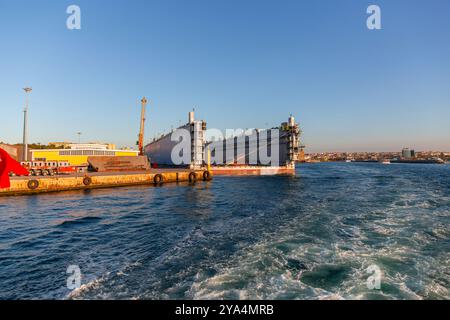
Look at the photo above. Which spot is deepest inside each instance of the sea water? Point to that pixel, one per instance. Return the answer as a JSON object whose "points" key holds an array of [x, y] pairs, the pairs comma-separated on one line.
{"points": [[312, 236]]}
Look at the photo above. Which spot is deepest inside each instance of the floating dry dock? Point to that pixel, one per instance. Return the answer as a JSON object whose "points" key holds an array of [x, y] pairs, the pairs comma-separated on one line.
{"points": [[94, 180]]}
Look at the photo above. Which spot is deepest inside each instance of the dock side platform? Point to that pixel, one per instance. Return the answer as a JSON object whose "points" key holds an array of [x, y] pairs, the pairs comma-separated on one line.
{"points": [[93, 180]]}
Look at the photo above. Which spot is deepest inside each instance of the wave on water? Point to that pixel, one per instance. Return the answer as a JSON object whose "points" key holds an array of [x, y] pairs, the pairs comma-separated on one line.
{"points": [[309, 237], [79, 221]]}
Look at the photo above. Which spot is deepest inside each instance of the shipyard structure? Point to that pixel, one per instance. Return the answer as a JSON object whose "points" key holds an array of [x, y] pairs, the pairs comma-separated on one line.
{"points": [[233, 152], [162, 152]]}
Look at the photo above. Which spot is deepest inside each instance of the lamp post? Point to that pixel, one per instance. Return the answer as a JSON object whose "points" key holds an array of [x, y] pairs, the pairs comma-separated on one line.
{"points": [[25, 125], [79, 137]]}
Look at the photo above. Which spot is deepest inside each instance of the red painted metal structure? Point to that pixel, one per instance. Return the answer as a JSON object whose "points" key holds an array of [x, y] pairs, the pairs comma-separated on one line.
{"points": [[7, 165]]}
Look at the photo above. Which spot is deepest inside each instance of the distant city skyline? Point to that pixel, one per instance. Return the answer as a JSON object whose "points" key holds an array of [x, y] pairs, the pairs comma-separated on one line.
{"points": [[240, 64]]}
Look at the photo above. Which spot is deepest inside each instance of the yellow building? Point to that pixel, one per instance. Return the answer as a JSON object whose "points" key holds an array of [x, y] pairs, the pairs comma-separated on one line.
{"points": [[76, 157], [90, 145]]}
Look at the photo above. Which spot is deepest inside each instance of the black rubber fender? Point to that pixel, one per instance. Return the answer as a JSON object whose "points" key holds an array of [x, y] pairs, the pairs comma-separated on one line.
{"points": [[206, 175], [87, 181], [192, 177], [33, 184], [158, 179]]}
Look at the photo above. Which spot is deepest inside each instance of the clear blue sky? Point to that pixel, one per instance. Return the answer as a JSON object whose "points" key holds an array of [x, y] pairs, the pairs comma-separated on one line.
{"points": [[242, 64]]}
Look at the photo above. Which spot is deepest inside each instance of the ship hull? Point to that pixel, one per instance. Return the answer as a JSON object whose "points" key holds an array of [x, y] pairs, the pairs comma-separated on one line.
{"points": [[252, 170]]}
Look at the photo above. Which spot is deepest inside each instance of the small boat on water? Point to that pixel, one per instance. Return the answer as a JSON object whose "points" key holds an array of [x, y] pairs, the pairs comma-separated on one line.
{"points": [[385, 161]]}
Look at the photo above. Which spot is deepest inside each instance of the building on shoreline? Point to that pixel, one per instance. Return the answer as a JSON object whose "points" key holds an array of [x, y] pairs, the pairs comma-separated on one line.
{"points": [[375, 156], [408, 153], [77, 154]]}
